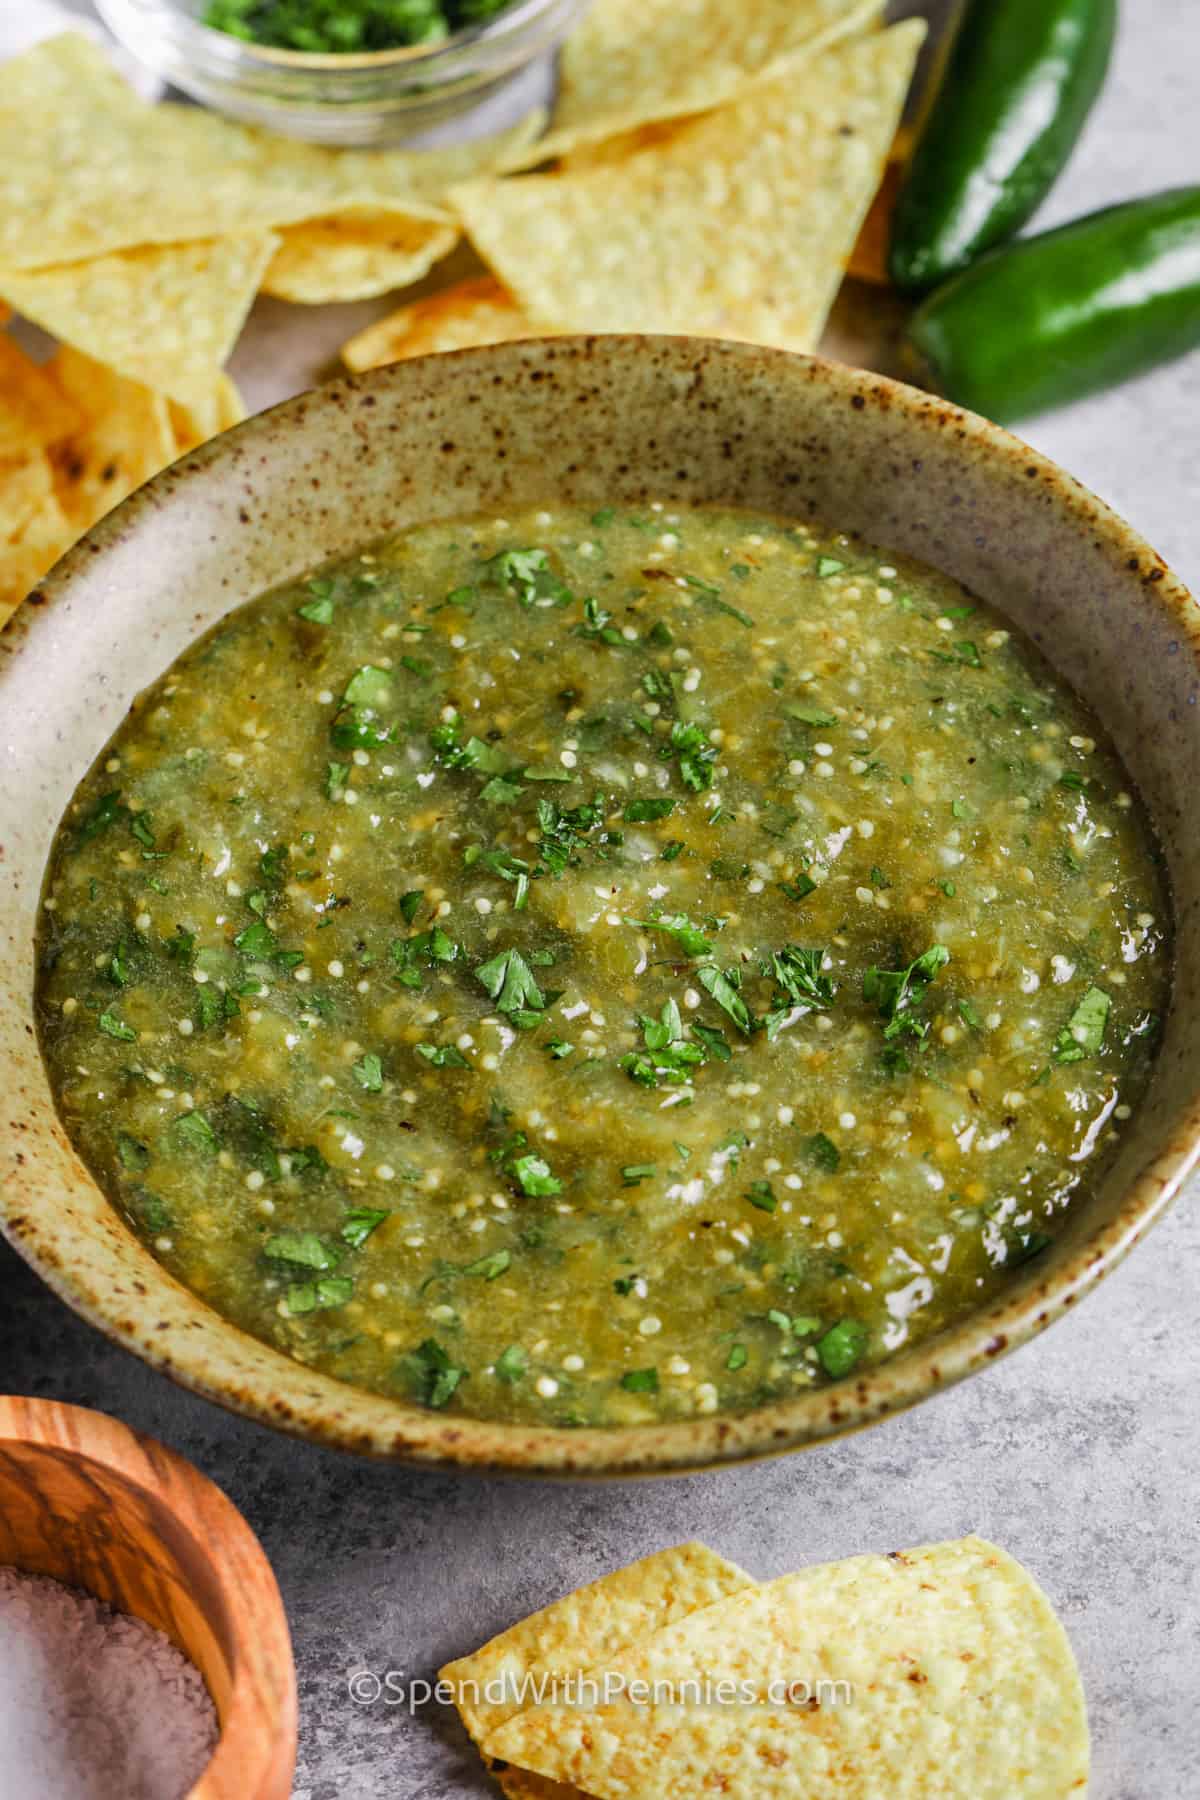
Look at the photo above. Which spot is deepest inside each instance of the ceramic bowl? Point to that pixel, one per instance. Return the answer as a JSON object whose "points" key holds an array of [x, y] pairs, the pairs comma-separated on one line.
{"points": [[586, 421], [88, 1502]]}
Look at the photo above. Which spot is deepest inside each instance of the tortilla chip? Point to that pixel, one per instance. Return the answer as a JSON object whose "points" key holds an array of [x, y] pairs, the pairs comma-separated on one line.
{"points": [[960, 1678], [195, 424], [456, 318], [360, 253], [32, 409], [127, 438], [166, 316], [53, 75], [628, 62], [26, 482], [739, 226], [34, 531], [586, 1628], [87, 168], [523, 1784], [869, 257]]}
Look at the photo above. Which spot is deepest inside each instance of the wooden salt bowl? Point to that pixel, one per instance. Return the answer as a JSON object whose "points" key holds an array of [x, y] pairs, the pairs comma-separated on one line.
{"points": [[88, 1502]]}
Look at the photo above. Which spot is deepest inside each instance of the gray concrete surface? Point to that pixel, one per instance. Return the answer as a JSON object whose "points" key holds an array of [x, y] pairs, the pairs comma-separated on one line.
{"points": [[1081, 1454]]}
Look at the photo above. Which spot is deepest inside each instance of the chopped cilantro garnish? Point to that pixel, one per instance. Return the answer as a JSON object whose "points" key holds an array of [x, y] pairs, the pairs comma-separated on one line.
{"points": [[969, 1016], [897, 992], [132, 1155], [302, 1249], [798, 973], [510, 982], [410, 904], [431, 1373], [696, 755], [511, 1364], [318, 610], [823, 1153], [879, 879], [113, 1027], [800, 888], [633, 1173], [713, 1043], [810, 715], [368, 1072], [182, 947], [358, 1225], [721, 985], [828, 565], [688, 937], [737, 1357], [256, 939], [841, 1347], [319, 1296], [529, 574], [118, 968], [641, 811], [194, 1130], [501, 791], [336, 776], [598, 625], [668, 1056], [640, 1381], [213, 1006], [531, 1172], [107, 811], [563, 830], [443, 1056], [762, 1195], [489, 1268], [1083, 1034]]}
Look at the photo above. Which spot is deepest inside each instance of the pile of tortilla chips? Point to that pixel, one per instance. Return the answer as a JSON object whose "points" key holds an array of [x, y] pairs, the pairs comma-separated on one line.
{"points": [[939, 1673], [712, 167], [714, 170], [137, 236]]}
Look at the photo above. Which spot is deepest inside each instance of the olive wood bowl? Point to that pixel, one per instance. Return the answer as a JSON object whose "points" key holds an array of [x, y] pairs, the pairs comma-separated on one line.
{"points": [[93, 1504]]}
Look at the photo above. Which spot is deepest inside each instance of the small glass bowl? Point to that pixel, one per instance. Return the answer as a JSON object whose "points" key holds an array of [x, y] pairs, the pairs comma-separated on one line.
{"points": [[383, 97]]}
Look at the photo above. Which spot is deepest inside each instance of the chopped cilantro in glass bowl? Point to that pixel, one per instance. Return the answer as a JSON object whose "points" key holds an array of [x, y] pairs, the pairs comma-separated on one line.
{"points": [[347, 72]]}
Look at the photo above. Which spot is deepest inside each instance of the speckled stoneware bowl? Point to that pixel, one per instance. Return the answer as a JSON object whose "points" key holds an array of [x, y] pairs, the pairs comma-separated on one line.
{"points": [[585, 421]]}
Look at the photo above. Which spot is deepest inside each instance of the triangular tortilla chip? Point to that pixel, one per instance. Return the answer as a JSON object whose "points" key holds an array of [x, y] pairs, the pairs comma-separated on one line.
{"points": [[455, 318], [220, 408], [166, 316], [957, 1683], [584, 1628], [360, 253], [32, 409], [628, 62], [34, 531], [738, 226], [87, 168], [576, 1633], [127, 438]]}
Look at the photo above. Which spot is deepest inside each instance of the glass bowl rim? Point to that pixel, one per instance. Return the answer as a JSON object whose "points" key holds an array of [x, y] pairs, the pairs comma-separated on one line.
{"points": [[507, 22]]}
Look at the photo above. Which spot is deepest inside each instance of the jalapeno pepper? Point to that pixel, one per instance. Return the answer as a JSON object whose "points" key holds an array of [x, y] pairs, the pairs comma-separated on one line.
{"points": [[1052, 318], [1019, 83]]}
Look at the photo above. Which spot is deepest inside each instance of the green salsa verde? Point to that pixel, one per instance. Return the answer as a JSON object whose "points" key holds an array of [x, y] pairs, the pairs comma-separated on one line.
{"points": [[592, 968]]}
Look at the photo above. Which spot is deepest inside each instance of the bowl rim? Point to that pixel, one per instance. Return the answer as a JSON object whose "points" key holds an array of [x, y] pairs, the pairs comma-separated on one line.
{"points": [[261, 1721], [315, 1407]]}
